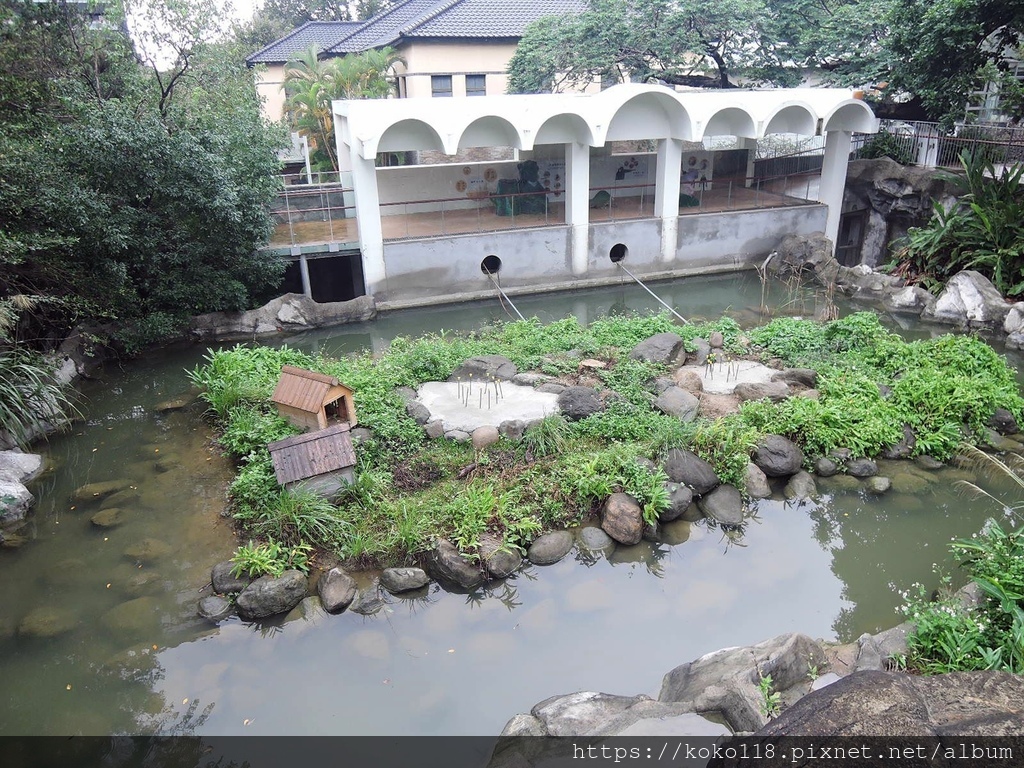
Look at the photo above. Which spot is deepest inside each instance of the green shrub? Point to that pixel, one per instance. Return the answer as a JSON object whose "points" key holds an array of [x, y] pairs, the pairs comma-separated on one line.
{"points": [[251, 427], [548, 436], [269, 559]]}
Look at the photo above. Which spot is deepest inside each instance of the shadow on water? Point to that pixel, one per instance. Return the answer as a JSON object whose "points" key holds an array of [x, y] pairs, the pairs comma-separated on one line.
{"points": [[98, 632]]}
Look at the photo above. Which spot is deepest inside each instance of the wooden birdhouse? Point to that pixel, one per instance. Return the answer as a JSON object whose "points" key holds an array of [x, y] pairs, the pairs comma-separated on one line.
{"points": [[322, 461], [313, 400]]}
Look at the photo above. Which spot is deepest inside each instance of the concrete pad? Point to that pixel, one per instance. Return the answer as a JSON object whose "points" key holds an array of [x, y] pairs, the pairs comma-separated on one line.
{"points": [[722, 378], [464, 410]]}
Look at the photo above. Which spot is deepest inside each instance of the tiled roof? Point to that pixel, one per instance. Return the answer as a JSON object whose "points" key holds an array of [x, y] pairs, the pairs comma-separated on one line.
{"points": [[312, 454], [322, 34], [302, 389], [453, 18]]}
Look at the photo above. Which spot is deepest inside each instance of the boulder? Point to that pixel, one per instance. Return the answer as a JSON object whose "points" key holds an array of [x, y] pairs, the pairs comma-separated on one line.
{"points": [[137, 617], [911, 300], [225, 582], [337, 590], [775, 391], [622, 518], [108, 518], [550, 548], [861, 468], [367, 601], [686, 467], [756, 482], [662, 348], [531, 379], [801, 486], [288, 313], [969, 300], [1014, 321], [582, 712], [458, 436], [878, 484], [451, 567], [778, 457], [689, 379], [20, 467], [215, 608], [679, 499], [418, 412], [15, 501], [801, 377], [1003, 422], [434, 429], [398, 580], [498, 560], [701, 350], [148, 550], [675, 401], [267, 596], [98, 491], [724, 504], [716, 339], [804, 253], [46, 621], [594, 539], [904, 447], [825, 467], [485, 367], [513, 429], [484, 436], [579, 402]]}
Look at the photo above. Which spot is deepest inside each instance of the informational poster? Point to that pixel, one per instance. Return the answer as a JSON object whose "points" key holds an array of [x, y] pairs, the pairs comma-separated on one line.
{"points": [[696, 173], [552, 176]]}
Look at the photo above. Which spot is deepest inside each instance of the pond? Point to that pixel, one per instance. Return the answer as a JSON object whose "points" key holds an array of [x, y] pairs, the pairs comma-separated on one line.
{"points": [[109, 641]]}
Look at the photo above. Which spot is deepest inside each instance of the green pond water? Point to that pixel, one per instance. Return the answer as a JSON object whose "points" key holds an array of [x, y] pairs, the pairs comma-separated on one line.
{"points": [[98, 633]]}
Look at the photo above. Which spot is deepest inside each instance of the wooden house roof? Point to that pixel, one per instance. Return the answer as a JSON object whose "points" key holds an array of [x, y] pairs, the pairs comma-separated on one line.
{"points": [[312, 454], [302, 389]]}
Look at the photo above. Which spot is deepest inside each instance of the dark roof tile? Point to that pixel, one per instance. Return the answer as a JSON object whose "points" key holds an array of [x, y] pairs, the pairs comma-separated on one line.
{"points": [[322, 34]]}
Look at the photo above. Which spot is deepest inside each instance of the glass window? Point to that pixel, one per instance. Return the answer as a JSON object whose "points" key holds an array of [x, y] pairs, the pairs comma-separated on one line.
{"points": [[476, 85], [440, 85]]}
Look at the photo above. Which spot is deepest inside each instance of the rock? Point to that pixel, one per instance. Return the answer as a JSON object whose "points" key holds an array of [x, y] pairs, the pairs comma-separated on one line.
{"points": [[552, 387], [911, 300], [662, 348], [290, 312], [582, 712], [137, 617], [775, 391], [679, 499], [337, 590], [20, 467], [579, 402], [450, 566], [485, 367], [398, 580], [726, 681], [716, 340], [825, 467], [909, 483], [309, 609], [129, 497], [225, 582], [969, 300], [689, 379], [891, 705], [904, 447], [594, 539], [928, 462], [796, 254], [700, 354], [861, 468], [622, 518], [267, 596], [499, 560], [15, 501], [434, 429], [675, 401], [418, 412], [840, 455], [550, 548], [367, 601], [360, 435], [878, 484], [778, 457], [1003, 422], [530, 379], [45, 622], [458, 436], [686, 467], [176, 404], [484, 436], [662, 383], [724, 504], [877, 651], [756, 482], [108, 518], [996, 442], [524, 725], [801, 486], [1014, 321], [215, 608], [843, 483], [801, 377], [147, 551], [513, 429], [97, 491]]}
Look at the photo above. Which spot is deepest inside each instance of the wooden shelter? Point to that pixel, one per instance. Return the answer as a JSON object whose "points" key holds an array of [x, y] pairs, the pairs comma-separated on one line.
{"points": [[322, 461], [312, 400]]}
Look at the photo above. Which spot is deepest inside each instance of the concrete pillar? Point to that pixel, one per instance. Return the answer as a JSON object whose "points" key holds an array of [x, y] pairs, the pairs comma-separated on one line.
{"points": [[833, 179], [751, 146], [371, 235], [307, 288], [577, 204], [666, 194]]}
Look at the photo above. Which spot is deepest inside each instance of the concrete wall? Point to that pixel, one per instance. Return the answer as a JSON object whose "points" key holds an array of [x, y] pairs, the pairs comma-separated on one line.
{"points": [[442, 269], [424, 58], [270, 89]]}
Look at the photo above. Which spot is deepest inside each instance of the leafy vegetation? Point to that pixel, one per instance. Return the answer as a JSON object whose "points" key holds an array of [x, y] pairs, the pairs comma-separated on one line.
{"points": [[269, 558], [407, 491]]}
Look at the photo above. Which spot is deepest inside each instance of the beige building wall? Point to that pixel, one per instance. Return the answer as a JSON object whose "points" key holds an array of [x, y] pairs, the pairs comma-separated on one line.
{"points": [[270, 89], [458, 59]]}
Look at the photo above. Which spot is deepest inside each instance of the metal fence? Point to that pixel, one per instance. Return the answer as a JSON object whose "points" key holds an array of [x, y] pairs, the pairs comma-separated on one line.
{"points": [[929, 145]]}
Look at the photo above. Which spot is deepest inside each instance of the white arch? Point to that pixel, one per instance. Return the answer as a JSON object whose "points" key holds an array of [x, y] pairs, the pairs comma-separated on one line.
{"points": [[850, 115], [490, 131], [410, 133], [562, 128], [792, 117], [647, 114]]}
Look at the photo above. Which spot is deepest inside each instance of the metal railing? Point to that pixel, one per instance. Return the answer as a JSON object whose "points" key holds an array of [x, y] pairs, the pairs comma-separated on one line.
{"points": [[929, 145], [323, 213]]}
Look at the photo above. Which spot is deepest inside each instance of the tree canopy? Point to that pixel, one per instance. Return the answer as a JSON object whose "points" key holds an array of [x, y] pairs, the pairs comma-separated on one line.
{"points": [[134, 192]]}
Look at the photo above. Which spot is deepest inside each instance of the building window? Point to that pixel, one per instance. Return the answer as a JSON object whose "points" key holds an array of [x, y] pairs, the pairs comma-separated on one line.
{"points": [[440, 85], [476, 85]]}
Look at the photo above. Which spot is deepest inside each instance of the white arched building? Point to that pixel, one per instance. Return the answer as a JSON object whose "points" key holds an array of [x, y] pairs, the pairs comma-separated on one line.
{"points": [[571, 131]]}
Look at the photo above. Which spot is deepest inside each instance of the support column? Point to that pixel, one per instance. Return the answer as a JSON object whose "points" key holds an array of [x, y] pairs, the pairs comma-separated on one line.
{"points": [[371, 235], [577, 204], [666, 195], [307, 288], [751, 146], [833, 179]]}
